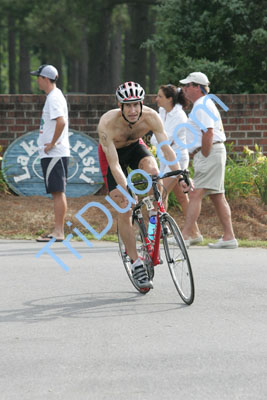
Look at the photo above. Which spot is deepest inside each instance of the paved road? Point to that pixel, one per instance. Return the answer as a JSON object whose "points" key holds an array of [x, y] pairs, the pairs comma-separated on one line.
{"points": [[87, 334]]}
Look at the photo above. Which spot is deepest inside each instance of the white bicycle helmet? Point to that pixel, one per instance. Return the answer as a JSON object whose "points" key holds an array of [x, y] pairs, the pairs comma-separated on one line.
{"points": [[130, 92]]}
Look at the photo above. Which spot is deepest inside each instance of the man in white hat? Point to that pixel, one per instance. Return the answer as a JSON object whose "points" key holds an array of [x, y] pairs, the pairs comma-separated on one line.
{"points": [[207, 139], [54, 148]]}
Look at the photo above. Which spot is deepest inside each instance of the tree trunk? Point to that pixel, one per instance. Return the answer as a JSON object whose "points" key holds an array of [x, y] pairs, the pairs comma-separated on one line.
{"points": [[72, 75], [1, 63], [152, 72], [115, 60], [56, 61], [138, 56], [99, 68], [11, 55], [83, 64], [127, 42], [152, 62], [24, 66]]}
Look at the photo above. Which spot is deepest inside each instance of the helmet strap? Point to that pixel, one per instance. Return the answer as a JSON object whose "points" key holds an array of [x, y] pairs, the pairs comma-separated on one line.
{"points": [[131, 123]]}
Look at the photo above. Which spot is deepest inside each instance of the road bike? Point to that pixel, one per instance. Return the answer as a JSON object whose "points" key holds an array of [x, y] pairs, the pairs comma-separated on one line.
{"points": [[166, 232]]}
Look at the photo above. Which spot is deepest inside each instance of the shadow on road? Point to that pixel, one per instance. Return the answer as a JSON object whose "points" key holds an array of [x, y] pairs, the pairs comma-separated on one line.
{"points": [[86, 305]]}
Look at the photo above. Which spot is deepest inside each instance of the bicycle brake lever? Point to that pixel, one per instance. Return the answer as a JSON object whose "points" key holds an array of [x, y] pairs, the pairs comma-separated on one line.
{"points": [[186, 178]]}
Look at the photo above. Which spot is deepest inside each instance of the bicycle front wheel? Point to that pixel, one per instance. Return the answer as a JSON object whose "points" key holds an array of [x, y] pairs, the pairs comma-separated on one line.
{"points": [[177, 259]]}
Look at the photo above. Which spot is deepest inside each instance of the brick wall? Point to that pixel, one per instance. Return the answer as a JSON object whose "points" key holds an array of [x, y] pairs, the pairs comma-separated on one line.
{"points": [[245, 123]]}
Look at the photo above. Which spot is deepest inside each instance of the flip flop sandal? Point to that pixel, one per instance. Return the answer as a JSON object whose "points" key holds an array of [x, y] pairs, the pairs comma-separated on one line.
{"points": [[47, 238]]}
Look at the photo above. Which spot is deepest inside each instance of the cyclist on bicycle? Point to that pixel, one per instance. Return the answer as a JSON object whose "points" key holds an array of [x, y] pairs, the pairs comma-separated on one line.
{"points": [[121, 146]]}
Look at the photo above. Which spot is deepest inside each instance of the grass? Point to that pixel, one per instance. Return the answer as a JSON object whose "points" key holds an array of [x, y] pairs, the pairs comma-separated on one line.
{"points": [[113, 238], [241, 242]]}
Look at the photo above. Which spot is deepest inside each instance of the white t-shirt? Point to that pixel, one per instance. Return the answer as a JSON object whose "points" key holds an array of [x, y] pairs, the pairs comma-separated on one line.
{"points": [[55, 106], [200, 115], [170, 121]]}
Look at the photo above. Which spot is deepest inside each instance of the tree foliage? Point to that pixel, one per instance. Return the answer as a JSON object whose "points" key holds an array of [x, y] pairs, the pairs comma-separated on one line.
{"points": [[97, 44], [226, 39], [86, 40]]}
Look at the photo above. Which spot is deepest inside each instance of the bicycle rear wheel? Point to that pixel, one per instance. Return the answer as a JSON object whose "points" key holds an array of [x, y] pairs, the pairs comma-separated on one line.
{"points": [[142, 253], [177, 259]]}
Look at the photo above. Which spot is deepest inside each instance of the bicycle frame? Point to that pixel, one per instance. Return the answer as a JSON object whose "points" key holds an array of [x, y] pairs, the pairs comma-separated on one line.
{"points": [[152, 246]]}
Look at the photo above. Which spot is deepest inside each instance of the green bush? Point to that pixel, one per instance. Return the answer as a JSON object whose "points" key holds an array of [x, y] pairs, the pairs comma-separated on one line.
{"points": [[261, 180], [246, 174], [3, 185]]}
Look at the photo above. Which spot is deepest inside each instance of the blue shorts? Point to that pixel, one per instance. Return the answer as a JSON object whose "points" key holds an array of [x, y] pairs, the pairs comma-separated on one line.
{"points": [[55, 172]]}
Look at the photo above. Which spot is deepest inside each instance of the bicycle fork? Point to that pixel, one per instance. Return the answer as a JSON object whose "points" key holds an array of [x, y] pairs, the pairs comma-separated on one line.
{"points": [[147, 242], [156, 256]]}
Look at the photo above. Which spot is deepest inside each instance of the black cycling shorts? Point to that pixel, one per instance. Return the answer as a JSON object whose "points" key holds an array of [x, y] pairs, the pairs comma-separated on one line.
{"points": [[129, 156]]}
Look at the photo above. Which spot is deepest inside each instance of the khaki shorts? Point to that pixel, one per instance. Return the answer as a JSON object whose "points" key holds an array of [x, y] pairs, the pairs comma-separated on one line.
{"points": [[209, 171]]}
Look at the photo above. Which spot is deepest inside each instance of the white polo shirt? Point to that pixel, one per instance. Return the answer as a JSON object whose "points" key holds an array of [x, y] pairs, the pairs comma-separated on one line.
{"points": [[203, 117]]}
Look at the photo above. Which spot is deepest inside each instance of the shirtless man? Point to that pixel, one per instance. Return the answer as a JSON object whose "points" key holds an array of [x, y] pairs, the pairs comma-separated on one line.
{"points": [[120, 132]]}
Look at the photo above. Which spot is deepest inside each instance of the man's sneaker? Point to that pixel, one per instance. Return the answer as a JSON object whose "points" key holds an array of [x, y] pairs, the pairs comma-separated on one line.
{"points": [[141, 278], [224, 244]]}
